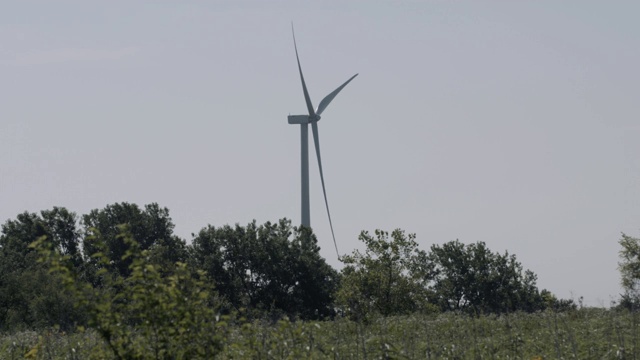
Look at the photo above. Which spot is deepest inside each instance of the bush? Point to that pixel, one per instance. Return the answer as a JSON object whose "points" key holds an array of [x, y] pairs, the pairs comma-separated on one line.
{"points": [[388, 279], [145, 315]]}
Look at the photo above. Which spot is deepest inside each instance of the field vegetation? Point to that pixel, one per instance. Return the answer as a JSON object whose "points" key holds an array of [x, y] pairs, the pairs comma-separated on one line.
{"points": [[577, 334]]}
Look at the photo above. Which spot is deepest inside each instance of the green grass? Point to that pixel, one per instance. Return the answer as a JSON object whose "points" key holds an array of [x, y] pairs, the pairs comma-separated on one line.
{"points": [[582, 334]]}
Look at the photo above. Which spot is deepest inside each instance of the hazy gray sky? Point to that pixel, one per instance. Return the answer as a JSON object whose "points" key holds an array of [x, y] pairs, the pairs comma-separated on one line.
{"points": [[513, 123]]}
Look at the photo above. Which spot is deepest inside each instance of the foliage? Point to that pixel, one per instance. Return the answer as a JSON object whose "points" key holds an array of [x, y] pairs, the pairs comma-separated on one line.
{"points": [[152, 228], [387, 279], [629, 267], [145, 315], [272, 268], [156, 295], [471, 277], [58, 225], [587, 333], [29, 295]]}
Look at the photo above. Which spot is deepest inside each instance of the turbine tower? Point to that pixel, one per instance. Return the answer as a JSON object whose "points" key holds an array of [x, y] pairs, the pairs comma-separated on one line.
{"points": [[304, 121]]}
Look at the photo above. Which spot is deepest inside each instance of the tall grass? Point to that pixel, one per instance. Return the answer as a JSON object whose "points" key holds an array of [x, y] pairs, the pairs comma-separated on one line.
{"points": [[586, 333]]}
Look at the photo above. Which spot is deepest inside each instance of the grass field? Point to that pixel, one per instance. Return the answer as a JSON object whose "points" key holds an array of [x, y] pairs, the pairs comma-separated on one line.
{"points": [[586, 333]]}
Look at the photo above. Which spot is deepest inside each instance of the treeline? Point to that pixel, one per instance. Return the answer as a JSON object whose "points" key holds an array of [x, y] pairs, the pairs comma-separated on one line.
{"points": [[124, 264]]}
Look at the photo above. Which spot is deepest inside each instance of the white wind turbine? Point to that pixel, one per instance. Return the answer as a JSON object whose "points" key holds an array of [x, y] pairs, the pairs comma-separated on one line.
{"points": [[304, 121]]}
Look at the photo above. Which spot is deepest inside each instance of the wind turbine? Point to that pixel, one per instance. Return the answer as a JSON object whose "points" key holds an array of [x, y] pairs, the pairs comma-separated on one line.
{"points": [[304, 121]]}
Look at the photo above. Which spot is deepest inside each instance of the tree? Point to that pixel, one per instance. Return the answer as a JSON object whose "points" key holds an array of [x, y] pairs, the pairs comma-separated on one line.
{"points": [[29, 295], [389, 278], [64, 233], [471, 277], [147, 314], [629, 267], [272, 268], [152, 228]]}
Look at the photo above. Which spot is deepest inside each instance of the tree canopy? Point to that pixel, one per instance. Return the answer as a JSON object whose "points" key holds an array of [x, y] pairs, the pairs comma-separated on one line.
{"points": [[29, 295], [271, 267], [386, 279], [151, 227], [265, 270], [393, 276], [471, 277], [629, 267]]}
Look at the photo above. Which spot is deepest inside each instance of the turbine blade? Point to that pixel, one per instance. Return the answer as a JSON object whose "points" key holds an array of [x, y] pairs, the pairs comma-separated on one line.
{"points": [[304, 85], [327, 99], [316, 140]]}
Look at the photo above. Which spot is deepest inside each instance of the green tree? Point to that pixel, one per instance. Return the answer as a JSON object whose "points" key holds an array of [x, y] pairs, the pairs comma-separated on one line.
{"points": [[471, 277], [629, 267], [29, 295], [388, 278], [147, 314], [152, 228], [64, 233], [272, 268]]}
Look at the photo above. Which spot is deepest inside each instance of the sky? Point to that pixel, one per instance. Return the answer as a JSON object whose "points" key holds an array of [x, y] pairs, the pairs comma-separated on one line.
{"points": [[511, 123]]}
